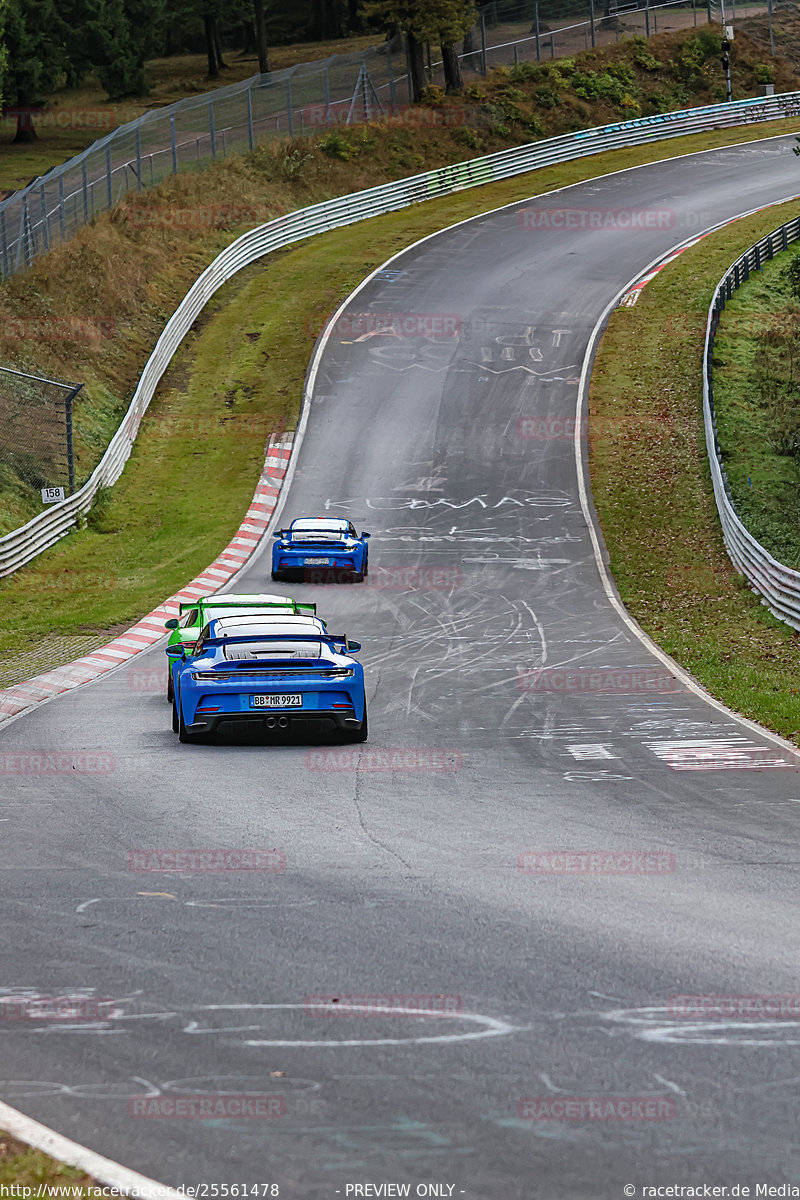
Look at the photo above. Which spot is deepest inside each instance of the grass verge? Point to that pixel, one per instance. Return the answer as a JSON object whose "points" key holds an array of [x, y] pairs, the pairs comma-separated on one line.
{"points": [[756, 388], [187, 485], [21, 1165], [652, 490]]}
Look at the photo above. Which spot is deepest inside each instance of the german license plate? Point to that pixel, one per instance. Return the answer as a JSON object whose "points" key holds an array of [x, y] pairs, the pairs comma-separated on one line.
{"points": [[291, 701], [318, 562]]}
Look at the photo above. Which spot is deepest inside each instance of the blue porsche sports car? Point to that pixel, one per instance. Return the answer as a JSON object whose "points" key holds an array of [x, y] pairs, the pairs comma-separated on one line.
{"points": [[320, 548], [280, 673]]}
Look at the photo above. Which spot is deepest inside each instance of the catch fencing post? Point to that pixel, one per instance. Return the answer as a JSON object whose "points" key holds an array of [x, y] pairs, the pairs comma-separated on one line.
{"points": [[109, 184], [85, 192], [328, 97], [250, 133], [392, 98], [138, 158], [536, 26], [771, 36], [70, 450], [211, 129], [43, 199], [708, 10], [647, 17], [173, 145], [289, 105], [483, 43], [4, 237], [591, 18], [62, 219]]}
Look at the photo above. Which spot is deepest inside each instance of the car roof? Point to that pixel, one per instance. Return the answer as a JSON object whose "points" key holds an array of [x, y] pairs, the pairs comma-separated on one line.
{"points": [[240, 598], [258, 623], [319, 523]]}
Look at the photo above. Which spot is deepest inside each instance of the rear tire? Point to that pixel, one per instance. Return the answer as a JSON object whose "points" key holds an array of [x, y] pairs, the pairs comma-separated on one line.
{"points": [[174, 716], [170, 687], [275, 575], [183, 733], [361, 734]]}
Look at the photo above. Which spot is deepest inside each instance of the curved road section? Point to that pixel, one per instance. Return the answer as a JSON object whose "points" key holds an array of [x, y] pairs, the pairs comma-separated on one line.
{"points": [[538, 937]]}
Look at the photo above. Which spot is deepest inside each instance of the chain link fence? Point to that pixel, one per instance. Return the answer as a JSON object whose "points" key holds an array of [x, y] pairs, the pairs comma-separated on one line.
{"points": [[193, 132], [36, 431]]}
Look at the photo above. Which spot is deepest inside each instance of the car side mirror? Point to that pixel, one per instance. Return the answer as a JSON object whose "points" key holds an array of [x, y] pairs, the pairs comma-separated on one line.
{"points": [[172, 623], [366, 535], [175, 651], [279, 533], [352, 647]]}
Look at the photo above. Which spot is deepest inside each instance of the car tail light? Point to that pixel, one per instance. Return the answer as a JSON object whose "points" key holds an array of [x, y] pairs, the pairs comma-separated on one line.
{"points": [[341, 706], [206, 709]]}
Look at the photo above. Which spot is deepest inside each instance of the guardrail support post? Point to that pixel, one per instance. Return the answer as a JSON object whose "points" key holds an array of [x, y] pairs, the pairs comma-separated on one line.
{"points": [[212, 129], [173, 145], [784, 238], [289, 105]]}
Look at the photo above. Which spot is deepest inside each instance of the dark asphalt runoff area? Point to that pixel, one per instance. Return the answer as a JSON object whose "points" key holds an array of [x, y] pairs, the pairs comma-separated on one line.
{"points": [[545, 1054]]}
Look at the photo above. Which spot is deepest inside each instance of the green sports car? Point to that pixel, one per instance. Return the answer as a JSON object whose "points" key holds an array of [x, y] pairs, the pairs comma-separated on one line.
{"points": [[195, 615]]}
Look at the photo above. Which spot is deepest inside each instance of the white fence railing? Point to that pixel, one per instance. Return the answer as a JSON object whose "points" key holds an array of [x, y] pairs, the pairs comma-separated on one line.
{"points": [[20, 546], [778, 585]]}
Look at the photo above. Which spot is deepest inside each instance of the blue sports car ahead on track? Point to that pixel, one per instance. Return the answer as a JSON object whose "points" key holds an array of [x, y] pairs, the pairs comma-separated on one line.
{"points": [[320, 548], [279, 673]]}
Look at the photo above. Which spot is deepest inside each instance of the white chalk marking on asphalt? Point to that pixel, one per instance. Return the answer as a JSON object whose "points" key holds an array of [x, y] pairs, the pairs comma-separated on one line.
{"points": [[105, 1170], [491, 1027], [591, 750]]}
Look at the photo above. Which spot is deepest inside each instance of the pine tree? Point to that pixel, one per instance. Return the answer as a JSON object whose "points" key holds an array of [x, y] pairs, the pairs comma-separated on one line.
{"points": [[35, 59]]}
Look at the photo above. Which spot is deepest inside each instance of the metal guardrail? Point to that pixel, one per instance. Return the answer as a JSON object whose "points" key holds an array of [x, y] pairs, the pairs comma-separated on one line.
{"points": [[20, 546], [778, 585]]}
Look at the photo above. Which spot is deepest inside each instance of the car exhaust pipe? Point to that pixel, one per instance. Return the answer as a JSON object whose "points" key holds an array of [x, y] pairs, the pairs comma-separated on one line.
{"points": [[283, 722], [271, 722]]}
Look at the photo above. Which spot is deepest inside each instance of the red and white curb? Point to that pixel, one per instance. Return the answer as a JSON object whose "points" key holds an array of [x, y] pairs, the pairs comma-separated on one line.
{"points": [[633, 294], [147, 631]]}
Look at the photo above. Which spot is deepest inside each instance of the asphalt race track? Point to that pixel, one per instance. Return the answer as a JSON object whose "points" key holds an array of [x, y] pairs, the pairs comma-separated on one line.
{"points": [[427, 881]]}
